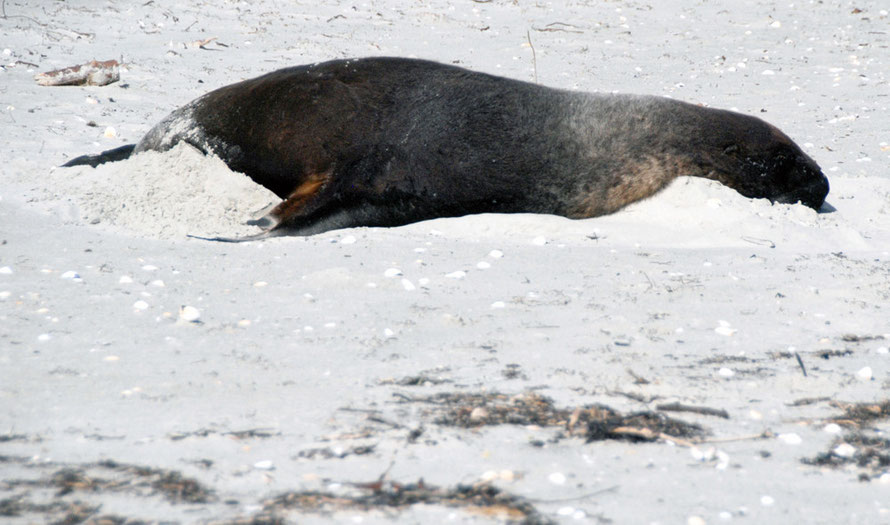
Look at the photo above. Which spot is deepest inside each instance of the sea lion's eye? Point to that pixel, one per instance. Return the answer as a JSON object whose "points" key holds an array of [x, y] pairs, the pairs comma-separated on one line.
{"points": [[729, 150]]}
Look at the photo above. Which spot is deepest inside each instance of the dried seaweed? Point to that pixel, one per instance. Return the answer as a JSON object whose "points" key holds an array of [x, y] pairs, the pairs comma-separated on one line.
{"points": [[861, 414], [594, 422], [871, 454], [480, 498]]}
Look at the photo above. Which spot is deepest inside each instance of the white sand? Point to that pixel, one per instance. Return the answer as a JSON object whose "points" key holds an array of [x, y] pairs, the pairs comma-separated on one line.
{"points": [[163, 196], [122, 340]]}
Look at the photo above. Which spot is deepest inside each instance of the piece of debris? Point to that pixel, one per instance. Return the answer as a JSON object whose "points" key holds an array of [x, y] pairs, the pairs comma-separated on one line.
{"points": [[93, 73]]}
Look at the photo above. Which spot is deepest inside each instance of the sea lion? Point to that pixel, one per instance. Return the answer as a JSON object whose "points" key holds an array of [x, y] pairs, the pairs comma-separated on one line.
{"points": [[390, 141]]}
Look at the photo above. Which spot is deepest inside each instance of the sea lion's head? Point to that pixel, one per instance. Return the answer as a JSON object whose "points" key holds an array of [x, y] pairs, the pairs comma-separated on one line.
{"points": [[758, 160]]}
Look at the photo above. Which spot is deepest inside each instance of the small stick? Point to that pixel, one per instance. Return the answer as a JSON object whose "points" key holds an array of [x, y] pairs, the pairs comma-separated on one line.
{"points": [[766, 434], [761, 242], [613, 488], [648, 434], [707, 411], [800, 362], [528, 36]]}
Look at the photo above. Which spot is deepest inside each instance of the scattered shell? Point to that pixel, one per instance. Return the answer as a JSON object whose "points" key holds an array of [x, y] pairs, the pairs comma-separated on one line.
{"points": [[503, 475], [159, 283], [4, 295], [330, 325], [244, 323], [6, 270], [260, 284], [722, 460], [44, 337], [790, 438], [539, 241], [478, 414], [695, 520], [140, 305], [460, 274], [832, 428], [864, 374], [70, 274], [725, 328], [495, 254], [387, 333], [392, 272], [845, 450], [766, 501], [189, 314], [557, 478], [126, 279], [566, 511], [264, 465], [110, 132], [408, 285], [150, 268], [349, 239], [482, 265], [111, 358], [498, 304], [725, 372]]}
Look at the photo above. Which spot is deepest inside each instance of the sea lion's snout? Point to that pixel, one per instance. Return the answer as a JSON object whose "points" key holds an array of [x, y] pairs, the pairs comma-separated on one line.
{"points": [[805, 182]]}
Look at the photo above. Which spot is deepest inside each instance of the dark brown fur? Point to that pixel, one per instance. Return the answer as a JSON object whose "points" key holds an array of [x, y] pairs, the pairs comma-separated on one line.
{"points": [[389, 141]]}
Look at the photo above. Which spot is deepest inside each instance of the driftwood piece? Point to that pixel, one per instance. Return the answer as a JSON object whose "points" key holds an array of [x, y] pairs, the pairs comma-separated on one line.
{"points": [[93, 73]]}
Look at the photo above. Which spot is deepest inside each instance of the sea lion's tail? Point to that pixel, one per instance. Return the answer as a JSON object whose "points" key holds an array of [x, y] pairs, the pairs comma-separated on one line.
{"points": [[112, 155]]}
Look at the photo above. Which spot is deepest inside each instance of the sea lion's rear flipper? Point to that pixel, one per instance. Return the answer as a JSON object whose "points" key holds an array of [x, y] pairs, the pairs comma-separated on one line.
{"points": [[308, 197], [112, 155]]}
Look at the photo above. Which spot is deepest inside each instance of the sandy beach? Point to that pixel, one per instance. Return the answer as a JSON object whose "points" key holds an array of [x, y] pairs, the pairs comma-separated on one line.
{"points": [[696, 358]]}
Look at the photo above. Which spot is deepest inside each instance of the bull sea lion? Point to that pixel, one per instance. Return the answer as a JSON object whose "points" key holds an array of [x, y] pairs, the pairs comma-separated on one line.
{"points": [[390, 141]]}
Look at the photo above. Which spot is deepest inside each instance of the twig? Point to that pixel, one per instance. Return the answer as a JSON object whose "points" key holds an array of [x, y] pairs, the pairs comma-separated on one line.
{"points": [[638, 379], [639, 398], [761, 242], [613, 488], [707, 411], [766, 434], [807, 401], [550, 28], [800, 362], [650, 435], [528, 36]]}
